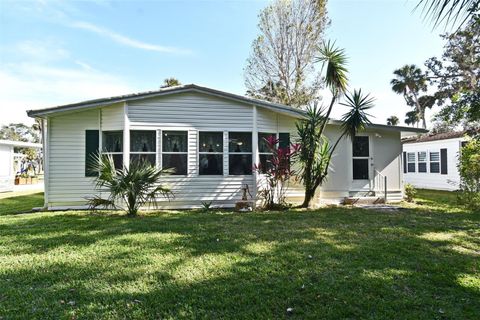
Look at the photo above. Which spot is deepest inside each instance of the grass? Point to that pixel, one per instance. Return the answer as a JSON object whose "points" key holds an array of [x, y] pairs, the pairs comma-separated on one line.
{"points": [[11, 203], [332, 263]]}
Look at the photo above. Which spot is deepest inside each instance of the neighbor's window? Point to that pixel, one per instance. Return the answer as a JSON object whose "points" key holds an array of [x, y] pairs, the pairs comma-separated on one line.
{"points": [[410, 161], [174, 151], [143, 146], [264, 152], [240, 153], [210, 153], [422, 161], [434, 162], [112, 143]]}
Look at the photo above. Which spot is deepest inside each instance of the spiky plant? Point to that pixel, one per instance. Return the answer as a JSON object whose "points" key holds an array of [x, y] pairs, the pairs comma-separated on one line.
{"points": [[128, 188]]}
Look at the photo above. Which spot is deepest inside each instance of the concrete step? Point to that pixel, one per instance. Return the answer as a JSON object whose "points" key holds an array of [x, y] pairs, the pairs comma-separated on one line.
{"points": [[363, 200]]}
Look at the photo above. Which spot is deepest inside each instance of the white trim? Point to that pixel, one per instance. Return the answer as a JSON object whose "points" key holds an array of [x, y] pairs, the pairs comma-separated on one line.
{"points": [[255, 155], [126, 137], [46, 159]]}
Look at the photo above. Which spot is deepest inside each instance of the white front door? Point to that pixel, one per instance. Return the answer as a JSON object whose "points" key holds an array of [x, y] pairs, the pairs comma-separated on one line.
{"points": [[361, 163]]}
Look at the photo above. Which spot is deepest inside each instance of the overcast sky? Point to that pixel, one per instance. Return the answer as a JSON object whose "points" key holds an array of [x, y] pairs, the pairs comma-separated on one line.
{"points": [[58, 52]]}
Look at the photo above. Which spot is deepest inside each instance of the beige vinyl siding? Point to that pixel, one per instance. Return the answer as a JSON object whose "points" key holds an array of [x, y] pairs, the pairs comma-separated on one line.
{"points": [[267, 120], [67, 183], [113, 117], [194, 110]]}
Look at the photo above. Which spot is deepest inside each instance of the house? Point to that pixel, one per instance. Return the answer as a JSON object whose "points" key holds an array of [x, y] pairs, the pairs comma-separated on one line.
{"points": [[212, 138], [430, 161], [7, 162]]}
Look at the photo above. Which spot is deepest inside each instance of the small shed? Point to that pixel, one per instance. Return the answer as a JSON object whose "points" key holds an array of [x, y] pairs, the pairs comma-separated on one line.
{"points": [[7, 163]]}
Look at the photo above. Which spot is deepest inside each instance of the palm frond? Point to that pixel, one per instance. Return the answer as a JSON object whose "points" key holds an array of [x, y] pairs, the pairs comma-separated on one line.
{"points": [[448, 11], [356, 119], [335, 60]]}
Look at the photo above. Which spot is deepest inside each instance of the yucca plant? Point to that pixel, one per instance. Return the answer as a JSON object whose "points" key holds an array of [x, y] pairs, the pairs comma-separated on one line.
{"points": [[128, 188]]}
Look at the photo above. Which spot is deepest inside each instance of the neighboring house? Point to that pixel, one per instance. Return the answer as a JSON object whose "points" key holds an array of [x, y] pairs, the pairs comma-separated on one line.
{"points": [[212, 139], [7, 162], [430, 161]]}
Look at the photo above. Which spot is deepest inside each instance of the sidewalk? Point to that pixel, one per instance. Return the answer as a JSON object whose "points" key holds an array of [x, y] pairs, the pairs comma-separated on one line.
{"points": [[24, 189]]}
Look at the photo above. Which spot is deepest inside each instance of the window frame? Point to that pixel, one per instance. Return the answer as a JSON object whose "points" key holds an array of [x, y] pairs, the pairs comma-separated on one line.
{"points": [[430, 162], [362, 157], [414, 162], [240, 153], [264, 153], [162, 153], [112, 153], [222, 153], [422, 162], [145, 152]]}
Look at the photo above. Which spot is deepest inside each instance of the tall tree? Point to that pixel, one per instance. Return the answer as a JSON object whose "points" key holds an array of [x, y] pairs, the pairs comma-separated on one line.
{"points": [[316, 151], [281, 65], [411, 118], [170, 82], [456, 76], [449, 11], [410, 81], [20, 132], [392, 121]]}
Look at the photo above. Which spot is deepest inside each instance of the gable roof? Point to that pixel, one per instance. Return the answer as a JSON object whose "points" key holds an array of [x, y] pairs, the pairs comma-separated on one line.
{"points": [[162, 92], [294, 112], [435, 137]]}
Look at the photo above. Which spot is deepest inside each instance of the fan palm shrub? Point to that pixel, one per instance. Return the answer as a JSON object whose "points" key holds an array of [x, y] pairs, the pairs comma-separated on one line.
{"points": [[128, 188]]}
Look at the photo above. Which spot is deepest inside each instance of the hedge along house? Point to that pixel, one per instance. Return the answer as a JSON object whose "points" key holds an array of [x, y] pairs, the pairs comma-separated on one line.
{"points": [[212, 139]]}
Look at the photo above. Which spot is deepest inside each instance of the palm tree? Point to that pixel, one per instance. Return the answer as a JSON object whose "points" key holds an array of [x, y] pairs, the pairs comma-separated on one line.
{"points": [[410, 81], [129, 188], [170, 82], [392, 121], [316, 151], [411, 118], [448, 11]]}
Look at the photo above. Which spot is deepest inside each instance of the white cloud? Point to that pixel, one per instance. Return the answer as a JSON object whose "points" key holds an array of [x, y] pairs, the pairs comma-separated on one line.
{"points": [[121, 39]]}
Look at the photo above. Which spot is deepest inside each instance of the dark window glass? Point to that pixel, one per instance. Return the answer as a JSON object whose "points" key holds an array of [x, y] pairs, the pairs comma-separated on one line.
{"points": [[174, 141], [143, 141], [211, 164], [112, 141], [240, 164], [360, 169], [422, 167], [211, 142], [118, 160], [265, 162], [434, 167], [284, 139], [262, 143], [443, 161], [240, 142], [360, 146], [411, 167], [150, 158], [177, 162], [91, 148]]}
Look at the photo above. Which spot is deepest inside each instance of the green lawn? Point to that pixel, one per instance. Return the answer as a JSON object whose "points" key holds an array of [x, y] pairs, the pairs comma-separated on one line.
{"points": [[333, 263], [9, 203]]}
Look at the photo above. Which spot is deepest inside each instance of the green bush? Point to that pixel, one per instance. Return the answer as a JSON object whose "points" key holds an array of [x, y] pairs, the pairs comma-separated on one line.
{"points": [[469, 169], [410, 192]]}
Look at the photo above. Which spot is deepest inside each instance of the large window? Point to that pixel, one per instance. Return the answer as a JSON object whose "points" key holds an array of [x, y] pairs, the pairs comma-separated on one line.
{"points": [[422, 161], [410, 161], [112, 143], [174, 151], [435, 162], [210, 148], [91, 150], [265, 153], [240, 153], [143, 146], [361, 154]]}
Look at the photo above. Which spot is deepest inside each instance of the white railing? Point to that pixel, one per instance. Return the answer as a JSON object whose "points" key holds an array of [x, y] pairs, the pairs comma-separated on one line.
{"points": [[380, 184]]}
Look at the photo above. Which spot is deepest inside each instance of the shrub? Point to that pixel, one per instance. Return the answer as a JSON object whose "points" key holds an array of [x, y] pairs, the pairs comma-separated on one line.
{"points": [[410, 192], [469, 169]]}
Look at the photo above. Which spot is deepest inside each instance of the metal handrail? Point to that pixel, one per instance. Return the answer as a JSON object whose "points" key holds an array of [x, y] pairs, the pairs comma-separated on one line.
{"points": [[380, 184]]}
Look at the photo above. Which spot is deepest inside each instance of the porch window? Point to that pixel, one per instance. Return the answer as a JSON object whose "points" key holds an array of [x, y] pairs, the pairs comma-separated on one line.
{"points": [[175, 151], [240, 153], [143, 146], [422, 161], [434, 162], [264, 152], [210, 153], [112, 143], [410, 161], [361, 153]]}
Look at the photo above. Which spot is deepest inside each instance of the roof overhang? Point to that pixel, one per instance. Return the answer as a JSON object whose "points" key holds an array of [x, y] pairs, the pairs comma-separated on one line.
{"points": [[384, 127]]}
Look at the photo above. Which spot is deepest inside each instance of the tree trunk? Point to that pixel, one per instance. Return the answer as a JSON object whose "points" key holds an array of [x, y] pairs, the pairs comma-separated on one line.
{"points": [[308, 198]]}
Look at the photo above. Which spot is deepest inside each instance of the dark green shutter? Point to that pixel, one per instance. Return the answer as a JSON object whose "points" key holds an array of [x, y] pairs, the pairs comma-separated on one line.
{"points": [[443, 161], [91, 148], [404, 162], [284, 138]]}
